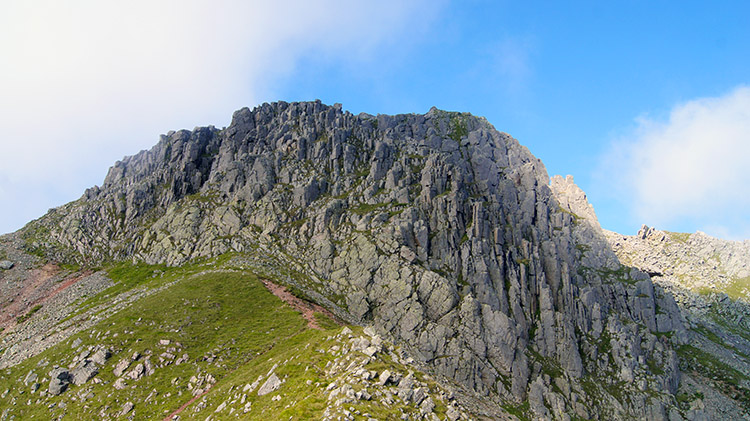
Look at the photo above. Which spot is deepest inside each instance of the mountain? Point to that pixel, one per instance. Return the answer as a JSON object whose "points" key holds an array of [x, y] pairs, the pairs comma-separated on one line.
{"points": [[488, 285]]}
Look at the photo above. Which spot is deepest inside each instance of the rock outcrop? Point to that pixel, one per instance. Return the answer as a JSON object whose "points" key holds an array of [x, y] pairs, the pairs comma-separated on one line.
{"points": [[709, 279], [440, 231], [697, 261]]}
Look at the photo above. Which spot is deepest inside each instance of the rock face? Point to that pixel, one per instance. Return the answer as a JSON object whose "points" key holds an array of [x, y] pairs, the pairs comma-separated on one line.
{"points": [[710, 281], [698, 261], [440, 231]]}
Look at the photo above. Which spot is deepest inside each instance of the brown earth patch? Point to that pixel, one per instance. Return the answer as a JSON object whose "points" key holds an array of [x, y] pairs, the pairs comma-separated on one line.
{"points": [[307, 308], [182, 408], [39, 286]]}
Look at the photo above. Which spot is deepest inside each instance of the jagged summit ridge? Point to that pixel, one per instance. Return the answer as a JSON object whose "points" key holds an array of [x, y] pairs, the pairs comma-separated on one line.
{"points": [[437, 229], [698, 261]]}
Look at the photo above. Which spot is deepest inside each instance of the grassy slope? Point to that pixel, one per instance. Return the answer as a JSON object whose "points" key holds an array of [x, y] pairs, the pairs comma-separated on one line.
{"points": [[230, 326]]}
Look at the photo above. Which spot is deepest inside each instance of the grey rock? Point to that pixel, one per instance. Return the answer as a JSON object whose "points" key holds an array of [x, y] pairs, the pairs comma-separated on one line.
{"points": [[30, 378], [271, 384], [137, 372], [126, 408], [427, 406], [384, 378], [120, 367], [119, 384], [148, 368], [59, 380], [453, 413], [84, 372], [101, 356], [6, 264]]}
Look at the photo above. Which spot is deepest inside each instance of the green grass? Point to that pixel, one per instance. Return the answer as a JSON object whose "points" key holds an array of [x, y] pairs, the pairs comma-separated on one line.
{"points": [[575, 216], [621, 274], [728, 324], [524, 262], [726, 378], [654, 367], [204, 198], [521, 411], [70, 267], [458, 127], [583, 248], [680, 237], [127, 276], [230, 315], [21, 319], [739, 288], [365, 208], [549, 365], [604, 343], [711, 336], [296, 223], [684, 399], [228, 324], [307, 365]]}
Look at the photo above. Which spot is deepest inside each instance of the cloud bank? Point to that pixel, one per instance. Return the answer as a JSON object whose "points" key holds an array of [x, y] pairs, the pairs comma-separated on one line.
{"points": [[84, 83], [691, 168]]}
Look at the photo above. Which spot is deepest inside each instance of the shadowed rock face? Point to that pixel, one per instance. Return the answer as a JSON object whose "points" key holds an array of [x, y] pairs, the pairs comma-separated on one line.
{"points": [[437, 229]]}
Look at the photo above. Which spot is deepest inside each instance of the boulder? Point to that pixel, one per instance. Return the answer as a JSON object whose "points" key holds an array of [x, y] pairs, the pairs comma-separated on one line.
{"points": [[30, 378], [84, 372], [101, 356], [273, 383], [121, 366], [126, 408], [59, 380]]}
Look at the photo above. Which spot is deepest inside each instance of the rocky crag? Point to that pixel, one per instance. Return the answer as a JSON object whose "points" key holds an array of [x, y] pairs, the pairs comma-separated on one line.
{"points": [[442, 233], [710, 280], [696, 261]]}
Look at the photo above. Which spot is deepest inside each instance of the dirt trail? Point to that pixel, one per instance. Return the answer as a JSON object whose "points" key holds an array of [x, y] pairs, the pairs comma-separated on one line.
{"points": [[307, 309], [182, 408]]}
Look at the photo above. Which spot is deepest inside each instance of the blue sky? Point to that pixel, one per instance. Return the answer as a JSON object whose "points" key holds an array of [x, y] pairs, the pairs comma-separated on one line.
{"points": [[645, 103]]}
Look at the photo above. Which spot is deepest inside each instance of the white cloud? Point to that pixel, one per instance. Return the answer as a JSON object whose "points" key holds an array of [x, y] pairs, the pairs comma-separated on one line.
{"points": [[83, 83], [692, 168]]}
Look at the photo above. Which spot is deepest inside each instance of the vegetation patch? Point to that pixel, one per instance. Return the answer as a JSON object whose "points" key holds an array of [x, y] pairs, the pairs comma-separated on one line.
{"points": [[680, 237], [458, 127], [728, 324], [222, 320], [739, 288], [127, 276], [604, 343], [684, 399], [27, 316], [711, 336], [726, 378], [521, 411], [365, 208], [575, 217], [583, 248]]}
